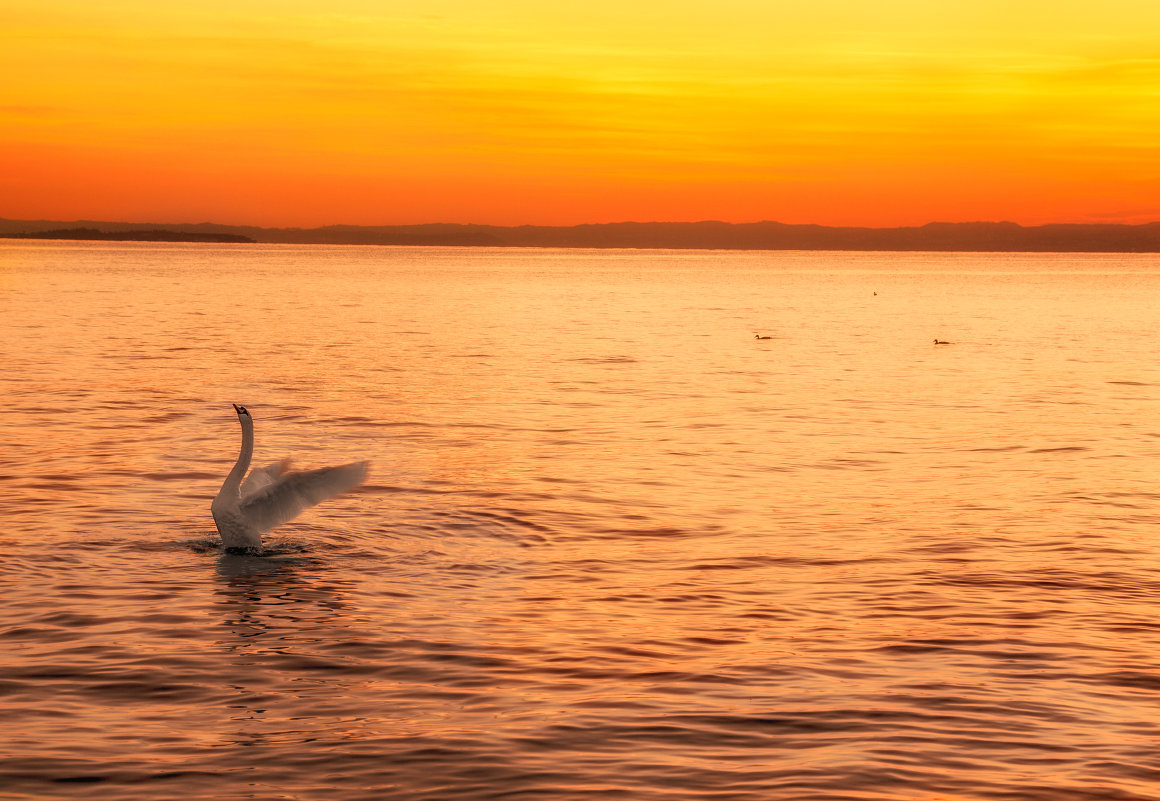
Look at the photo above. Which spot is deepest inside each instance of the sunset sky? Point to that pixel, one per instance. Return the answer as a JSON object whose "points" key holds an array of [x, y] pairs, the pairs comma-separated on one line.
{"points": [[839, 112]]}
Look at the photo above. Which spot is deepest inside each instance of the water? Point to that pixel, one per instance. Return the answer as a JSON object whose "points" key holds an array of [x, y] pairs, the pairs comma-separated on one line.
{"points": [[612, 546]]}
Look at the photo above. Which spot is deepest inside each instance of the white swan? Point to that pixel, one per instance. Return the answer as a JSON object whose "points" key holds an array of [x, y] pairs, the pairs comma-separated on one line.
{"points": [[271, 496]]}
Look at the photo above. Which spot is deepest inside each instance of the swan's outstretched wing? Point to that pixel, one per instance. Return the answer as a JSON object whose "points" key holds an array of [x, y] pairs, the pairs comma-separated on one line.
{"points": [[261, 477], [292, 492]]}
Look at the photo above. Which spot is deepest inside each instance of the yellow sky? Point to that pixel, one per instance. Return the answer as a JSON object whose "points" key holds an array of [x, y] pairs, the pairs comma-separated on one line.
{"points": [[832, 111]]}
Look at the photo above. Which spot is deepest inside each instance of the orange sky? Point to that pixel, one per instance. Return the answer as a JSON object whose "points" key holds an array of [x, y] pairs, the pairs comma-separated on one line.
{"points": [[841, 112]]}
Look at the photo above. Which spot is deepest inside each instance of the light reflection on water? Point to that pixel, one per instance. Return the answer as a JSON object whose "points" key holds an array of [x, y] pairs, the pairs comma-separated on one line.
{"points": [[612, 545]]}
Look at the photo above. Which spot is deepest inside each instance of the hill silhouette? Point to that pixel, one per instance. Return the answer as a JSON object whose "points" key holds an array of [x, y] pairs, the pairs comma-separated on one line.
{"points": [[151, 235], [965, 236]]}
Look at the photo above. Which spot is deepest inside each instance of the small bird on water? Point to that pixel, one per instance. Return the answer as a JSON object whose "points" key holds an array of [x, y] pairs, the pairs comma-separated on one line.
{"points": [[759, 336], [272, 495], [941, 342]]}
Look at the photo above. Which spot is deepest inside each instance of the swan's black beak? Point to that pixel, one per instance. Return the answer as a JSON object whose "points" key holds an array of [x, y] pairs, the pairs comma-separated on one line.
{"points": [[240, 409]]}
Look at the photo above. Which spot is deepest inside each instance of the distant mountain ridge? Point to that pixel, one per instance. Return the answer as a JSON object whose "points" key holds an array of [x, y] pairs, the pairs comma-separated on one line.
{"points": [[967, 236]]}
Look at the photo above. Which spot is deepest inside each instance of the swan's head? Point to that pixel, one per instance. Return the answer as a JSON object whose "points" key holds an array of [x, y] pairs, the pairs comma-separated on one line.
{"points": [[241, 410]]}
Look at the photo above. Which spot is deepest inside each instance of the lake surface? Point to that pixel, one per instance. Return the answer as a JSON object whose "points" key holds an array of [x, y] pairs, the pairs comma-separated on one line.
{"points": [[612, 545]]}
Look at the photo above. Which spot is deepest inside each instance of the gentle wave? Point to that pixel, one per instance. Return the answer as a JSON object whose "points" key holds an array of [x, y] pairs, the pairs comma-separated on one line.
{"points": [[611, 547]]}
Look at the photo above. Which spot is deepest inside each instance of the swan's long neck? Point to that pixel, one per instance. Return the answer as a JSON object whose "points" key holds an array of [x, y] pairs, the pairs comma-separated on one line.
{"points": [[234, 479]]}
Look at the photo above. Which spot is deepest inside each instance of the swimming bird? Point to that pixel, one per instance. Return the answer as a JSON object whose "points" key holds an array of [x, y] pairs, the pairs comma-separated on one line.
{"points": [[272, 495], [941, 342], [759, 336]]}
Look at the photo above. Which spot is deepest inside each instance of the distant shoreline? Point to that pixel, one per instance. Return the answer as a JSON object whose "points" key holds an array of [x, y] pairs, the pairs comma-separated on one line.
{"points": [[153, 235], [710, 235]]}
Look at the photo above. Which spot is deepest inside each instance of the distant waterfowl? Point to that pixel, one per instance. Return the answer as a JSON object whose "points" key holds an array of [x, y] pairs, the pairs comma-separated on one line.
{"points": [[759, 336], [271, 496], [941, 342]]}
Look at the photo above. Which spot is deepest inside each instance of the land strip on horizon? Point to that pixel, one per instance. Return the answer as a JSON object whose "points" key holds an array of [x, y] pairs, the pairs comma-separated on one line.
{"points": [[965, 236]]}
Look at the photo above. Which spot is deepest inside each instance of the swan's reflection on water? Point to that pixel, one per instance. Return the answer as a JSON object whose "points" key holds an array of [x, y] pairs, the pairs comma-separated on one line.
{"points": [[275, 594], [271, 601], [278, 610], [321, 674]]}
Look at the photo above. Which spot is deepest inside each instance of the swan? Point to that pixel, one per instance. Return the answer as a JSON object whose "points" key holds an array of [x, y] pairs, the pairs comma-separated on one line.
{"points": [[759, 336], [272, 495]]}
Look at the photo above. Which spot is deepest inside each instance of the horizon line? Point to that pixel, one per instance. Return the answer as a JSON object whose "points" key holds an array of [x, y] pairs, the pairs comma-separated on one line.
{"points": [[705, 221]]}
